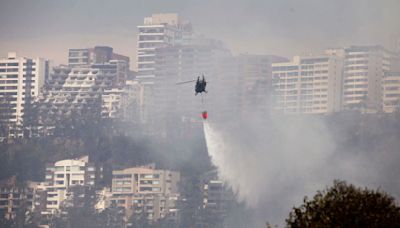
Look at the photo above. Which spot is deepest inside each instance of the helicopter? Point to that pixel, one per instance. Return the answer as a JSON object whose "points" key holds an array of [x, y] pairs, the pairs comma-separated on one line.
{"points": [[200, 86]]}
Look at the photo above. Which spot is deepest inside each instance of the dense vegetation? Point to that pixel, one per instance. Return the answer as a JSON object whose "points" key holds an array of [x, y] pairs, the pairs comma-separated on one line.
{"points": [[344, 205]]}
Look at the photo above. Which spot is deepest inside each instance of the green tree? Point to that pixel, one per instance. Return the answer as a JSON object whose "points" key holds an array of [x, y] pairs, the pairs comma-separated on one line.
{"points": [[344, 205]]}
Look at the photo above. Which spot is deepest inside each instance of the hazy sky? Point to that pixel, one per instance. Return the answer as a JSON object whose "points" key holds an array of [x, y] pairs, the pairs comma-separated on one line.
{"points": [[47, 28]]}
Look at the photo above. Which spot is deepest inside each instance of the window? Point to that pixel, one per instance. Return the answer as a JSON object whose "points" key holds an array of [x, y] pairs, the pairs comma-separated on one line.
{"points": [[4, 195], [145, 189], [53, 202], [3, 202], [122, 176], [73, 168]]}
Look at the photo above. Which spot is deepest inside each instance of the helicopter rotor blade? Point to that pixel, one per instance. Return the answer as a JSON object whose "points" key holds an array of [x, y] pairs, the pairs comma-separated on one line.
{"points": [[178, 83]]}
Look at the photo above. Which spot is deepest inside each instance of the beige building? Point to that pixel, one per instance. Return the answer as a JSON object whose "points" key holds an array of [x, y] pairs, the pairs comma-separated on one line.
{"points": [[391, 92], [364, 70], [145, 191], [308, 84]]}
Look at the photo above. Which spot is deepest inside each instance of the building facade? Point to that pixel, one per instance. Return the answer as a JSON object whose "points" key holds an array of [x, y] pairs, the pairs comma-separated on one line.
{"points": [[308, 85], [89, 56], [364, 70], [391, 92], [21, 81], [145, 191], [79, 89], [61, 176], [159, 30], [13, 199]]}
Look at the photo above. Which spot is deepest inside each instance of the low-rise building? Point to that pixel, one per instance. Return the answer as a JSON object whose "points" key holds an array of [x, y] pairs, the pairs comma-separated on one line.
{"points": [[64, 174], [13, 198], [145, 191]]}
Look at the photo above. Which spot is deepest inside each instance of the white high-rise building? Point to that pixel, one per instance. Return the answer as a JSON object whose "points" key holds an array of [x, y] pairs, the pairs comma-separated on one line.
{"points": [[364, 69], [159, 30], [308, 84], [21, 80]]}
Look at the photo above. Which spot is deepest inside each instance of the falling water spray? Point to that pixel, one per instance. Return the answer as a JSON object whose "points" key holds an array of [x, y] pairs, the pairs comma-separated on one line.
{"points": [[272, 166]]}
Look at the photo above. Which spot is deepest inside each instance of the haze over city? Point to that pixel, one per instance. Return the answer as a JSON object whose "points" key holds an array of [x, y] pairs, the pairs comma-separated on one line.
{"points": [[49, 28]]}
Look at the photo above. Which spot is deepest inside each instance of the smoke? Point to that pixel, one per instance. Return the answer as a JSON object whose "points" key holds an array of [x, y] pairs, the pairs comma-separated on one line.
{"points": [[272, 162]]}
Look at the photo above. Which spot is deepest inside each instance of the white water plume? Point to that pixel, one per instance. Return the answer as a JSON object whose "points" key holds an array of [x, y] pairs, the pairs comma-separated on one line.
{"points": [[266, 163], [272, 166]]}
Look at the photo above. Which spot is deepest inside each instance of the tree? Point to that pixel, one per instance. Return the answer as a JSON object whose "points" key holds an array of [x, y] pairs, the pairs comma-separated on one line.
{"points": [[344, 205], [5, 115]]}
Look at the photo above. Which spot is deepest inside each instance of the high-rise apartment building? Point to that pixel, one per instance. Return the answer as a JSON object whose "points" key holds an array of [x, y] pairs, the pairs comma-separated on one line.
{"points": [[21, 80], [308, 84], [145, 191], [180, 63], [78, 88], [364, 69], [159, 30], [391, 92]]}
